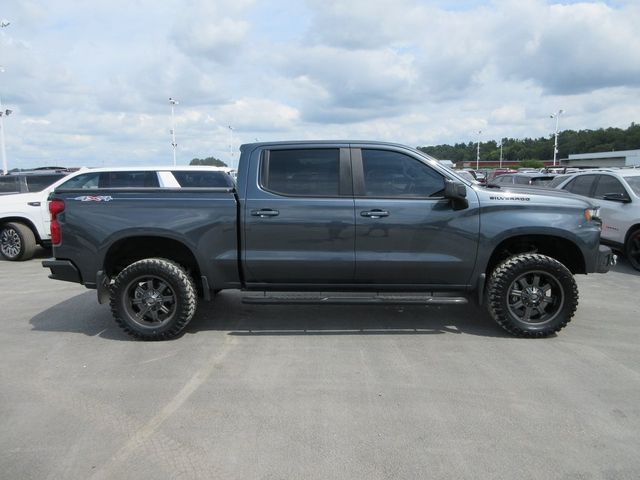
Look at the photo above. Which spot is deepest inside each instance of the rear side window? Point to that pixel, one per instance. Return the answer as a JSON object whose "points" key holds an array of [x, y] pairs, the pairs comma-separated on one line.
{"points": [[523, 180], [37, 183], [9, 184], [391, 174], [129, 180], [306, 172], [608, 184], [581, 185], [85, 180], [188, 179]]}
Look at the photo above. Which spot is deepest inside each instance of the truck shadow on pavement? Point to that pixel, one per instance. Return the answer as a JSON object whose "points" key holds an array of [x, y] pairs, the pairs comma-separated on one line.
{"points": [[226, 313]]}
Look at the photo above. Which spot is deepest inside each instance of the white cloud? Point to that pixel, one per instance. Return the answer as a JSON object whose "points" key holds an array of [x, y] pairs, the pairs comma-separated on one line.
{"points": [[89, 83]]}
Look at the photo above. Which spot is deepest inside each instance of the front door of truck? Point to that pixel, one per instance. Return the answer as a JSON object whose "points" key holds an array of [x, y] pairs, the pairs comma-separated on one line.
{"points": [[407, 233], [299, 217]]}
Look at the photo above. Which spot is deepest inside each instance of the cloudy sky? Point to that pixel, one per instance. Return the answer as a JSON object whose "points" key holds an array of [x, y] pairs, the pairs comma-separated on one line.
{"points": [[89, 82]]}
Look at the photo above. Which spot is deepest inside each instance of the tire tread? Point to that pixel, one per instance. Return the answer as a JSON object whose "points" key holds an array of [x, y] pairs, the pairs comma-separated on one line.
{"points": [[189, 301], [499, 283]]}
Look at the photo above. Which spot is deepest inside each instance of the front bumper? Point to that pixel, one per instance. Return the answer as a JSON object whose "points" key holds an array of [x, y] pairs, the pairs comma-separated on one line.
{"points": [[606, 259], [63, 270]]}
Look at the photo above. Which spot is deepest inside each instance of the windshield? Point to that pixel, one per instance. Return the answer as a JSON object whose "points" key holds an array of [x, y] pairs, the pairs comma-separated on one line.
{"points": [[634, 183]]}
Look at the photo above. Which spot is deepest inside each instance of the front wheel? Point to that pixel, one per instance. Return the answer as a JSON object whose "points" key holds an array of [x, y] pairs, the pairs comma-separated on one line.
{"points": [[532, 295], [632, 249], [153, 299]]}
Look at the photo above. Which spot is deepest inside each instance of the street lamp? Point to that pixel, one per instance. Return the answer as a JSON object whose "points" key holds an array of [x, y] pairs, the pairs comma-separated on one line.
{"points": [[555, 145], [478, 151], [231, 161], [3, 113], [173, 102]]}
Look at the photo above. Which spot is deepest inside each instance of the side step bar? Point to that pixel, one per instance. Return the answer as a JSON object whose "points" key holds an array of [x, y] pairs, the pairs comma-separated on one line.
{"points": [[351, 298]]}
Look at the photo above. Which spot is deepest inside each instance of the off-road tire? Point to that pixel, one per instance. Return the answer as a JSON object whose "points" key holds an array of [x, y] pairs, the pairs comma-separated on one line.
{"points": [[556, 308], [163, 283], [17, 242], [632, 248]]}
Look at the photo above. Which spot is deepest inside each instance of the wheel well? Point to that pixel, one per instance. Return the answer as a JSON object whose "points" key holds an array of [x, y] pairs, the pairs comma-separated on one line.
{"points": [[24, 221], [128, 250], [563, 250]]}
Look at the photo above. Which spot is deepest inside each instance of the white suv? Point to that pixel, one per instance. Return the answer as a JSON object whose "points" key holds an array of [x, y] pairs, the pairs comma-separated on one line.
{"points": [[25, 220], [617, 191]]}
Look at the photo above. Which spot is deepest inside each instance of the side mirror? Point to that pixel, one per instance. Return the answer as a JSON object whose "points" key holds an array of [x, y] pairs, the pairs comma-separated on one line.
{"points": [[457, 193], [617, 197]]}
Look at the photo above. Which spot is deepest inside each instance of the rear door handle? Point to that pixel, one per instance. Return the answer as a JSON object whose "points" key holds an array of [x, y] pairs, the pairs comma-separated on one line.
{"points": [[265, 212], [376, 213]]}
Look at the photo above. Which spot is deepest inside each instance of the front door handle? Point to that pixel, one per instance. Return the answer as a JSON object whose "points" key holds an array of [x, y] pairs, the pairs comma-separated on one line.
{"points": [[376, 213], [265, 212]]}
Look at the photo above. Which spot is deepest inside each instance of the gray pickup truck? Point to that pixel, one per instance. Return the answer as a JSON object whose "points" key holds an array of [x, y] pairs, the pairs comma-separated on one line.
{"points": [[329, 222]]}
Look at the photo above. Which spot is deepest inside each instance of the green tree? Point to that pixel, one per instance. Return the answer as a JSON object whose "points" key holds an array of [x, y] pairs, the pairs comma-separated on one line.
{"points": [[210, 161], [569, 141]]}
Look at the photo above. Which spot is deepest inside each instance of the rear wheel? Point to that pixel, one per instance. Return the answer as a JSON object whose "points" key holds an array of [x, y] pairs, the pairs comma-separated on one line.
{"points": [[153, 299], [17, 242], [632, 249], [532, 295]]}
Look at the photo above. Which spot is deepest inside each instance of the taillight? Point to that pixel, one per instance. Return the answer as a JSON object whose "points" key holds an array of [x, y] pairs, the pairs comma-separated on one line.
{"points": [[55, 208]]}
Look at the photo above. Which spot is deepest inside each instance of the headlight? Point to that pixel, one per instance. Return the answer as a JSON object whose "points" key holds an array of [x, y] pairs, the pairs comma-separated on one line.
{"points": [[592, 214]]}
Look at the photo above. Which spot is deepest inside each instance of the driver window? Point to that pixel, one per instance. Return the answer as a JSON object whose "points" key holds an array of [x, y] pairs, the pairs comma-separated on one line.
{"points": [[393, 174]]}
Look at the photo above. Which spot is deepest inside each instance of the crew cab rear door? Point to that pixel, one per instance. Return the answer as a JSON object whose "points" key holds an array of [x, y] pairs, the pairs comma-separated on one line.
{"points": [[407, 233], [298, 216]]}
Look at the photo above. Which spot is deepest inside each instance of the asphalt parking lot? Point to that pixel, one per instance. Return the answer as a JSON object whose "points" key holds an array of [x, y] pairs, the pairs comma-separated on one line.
{"points": [[316, 392]]}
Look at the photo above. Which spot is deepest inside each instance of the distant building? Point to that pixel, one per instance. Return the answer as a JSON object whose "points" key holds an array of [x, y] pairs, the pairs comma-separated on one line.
{"points": [[622, 158]]}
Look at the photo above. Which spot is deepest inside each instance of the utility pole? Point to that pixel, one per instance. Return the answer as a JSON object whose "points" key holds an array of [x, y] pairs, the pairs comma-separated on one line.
{"points": [[500, 153], [173, 102], [478, 151], [555, 144]]}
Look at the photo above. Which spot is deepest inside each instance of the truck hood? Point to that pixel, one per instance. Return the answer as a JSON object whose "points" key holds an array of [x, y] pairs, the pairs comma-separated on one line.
{"points": [[528, 195]]}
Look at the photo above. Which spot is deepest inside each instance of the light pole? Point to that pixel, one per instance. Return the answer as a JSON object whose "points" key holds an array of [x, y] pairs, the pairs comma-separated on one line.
{"points": [[3, 23], [231, 161], [500, 153], [478, 151], [3, 113], [173, 102], [555, 145]]}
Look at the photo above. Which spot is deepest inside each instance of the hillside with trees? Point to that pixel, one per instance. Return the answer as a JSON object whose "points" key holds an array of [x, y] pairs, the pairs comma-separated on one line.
{"points": [[569, 141]]}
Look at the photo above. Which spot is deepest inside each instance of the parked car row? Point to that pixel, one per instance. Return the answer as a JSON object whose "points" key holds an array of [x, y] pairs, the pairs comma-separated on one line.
{"points": [[24, 215], [617, 191]]}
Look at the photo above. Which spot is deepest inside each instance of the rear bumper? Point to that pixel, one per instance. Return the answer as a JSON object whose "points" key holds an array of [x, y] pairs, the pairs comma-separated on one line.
{"points": [[63, 270], [606, 259]]}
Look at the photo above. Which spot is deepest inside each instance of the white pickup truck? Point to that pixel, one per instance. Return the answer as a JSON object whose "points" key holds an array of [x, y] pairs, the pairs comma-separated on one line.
{"points": [[25, 219]]}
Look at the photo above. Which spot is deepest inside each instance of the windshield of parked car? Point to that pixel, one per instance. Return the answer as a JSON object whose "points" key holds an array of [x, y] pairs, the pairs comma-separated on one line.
{"points": [[634, 183]]}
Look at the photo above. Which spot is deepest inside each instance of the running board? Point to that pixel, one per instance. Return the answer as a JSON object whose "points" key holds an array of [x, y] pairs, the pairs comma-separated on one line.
{"points": [[351, 298]]}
